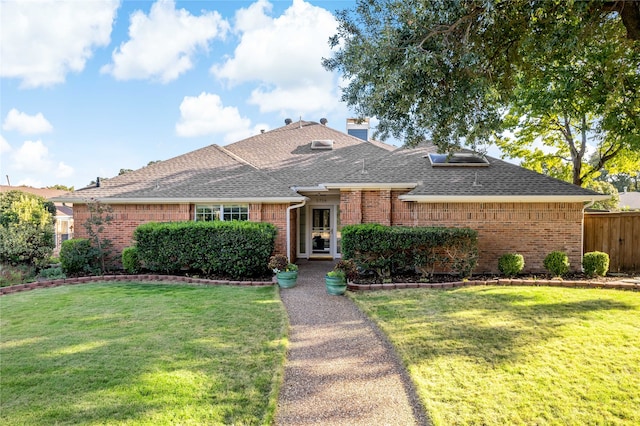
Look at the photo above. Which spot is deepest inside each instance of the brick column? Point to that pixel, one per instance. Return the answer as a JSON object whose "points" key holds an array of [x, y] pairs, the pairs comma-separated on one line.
{"points": [[350, 207]]}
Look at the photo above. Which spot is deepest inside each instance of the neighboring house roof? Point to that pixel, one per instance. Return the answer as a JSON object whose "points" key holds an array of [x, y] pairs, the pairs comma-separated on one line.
{"points": [[280, 165], [49, 194], [630, 200], [43, 192]]}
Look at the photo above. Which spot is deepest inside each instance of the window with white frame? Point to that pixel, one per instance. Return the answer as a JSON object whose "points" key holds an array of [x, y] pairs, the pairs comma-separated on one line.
{"points": [[222, 212]]}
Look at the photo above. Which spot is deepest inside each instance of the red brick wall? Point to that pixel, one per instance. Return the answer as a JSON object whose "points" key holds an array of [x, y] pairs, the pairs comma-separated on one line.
{"points": [[277, 215], [127, 217], [376, 207], [350, 207], [531, 229]]}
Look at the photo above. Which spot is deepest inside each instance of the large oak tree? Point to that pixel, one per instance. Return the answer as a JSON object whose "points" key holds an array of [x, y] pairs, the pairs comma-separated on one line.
{"points": [[460, 73]]}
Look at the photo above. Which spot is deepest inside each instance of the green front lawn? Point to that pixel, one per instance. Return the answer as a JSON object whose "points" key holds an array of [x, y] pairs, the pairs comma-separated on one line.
{"points": [[141, 354], [517, 355]]}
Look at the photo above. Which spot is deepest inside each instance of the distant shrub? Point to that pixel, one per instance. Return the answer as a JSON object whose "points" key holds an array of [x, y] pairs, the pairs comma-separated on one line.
{"points": [[557, 262], [16, 274], [54, 273], [130, 260], [78, 256], [511, 264], [595, 263]]}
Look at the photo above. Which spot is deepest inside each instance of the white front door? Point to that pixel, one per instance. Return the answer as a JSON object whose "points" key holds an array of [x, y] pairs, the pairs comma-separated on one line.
{"points": [[322, 236]]}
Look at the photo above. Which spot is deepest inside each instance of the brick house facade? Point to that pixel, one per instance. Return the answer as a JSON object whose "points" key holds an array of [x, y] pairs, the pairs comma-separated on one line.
{"points": [[310, 180]]}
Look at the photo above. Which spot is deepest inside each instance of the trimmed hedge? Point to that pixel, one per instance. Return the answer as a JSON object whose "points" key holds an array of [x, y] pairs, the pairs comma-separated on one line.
{"points": [[78, 256], [390, 249], [130, 261], [511, 264], [557, 262], [595, 263], [235, 249]]}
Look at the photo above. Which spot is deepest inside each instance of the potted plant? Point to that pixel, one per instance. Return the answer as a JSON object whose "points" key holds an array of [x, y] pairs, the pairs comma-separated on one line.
{"points": [[286, 272], [336, 280]]}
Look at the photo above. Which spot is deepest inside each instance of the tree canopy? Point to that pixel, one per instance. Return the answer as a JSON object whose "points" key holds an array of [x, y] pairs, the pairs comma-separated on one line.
{"points": [[26, 228], [461, 73]]}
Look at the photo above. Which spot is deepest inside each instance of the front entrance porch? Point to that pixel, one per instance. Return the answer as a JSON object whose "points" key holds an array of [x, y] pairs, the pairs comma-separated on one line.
{"points": [[318, 232]]}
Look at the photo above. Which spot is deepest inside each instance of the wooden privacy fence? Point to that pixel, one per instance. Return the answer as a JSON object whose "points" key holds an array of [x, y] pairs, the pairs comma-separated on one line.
{"points": [[617, 234]]}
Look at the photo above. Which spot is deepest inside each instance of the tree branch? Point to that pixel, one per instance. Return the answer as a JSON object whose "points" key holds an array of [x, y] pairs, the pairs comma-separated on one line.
{"points": [[629, 11], [450, 29]]}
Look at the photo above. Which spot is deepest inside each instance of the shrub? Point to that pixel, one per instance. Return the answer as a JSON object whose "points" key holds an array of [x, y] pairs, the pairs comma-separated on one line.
{"points": [[557, 262], [16, 274], [78, 256], [235, 249], [280, 263], [26, 228], [386, 249], [595, 263], [336, 273], [348, 268], [130, 261], [511, 264], [54, 273]]}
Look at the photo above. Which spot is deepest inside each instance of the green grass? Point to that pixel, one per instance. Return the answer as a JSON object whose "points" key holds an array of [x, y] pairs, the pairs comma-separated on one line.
{"points": [[141, 354], [517, 355]]}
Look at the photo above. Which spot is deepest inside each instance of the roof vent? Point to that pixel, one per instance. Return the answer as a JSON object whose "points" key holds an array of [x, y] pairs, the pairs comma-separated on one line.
{"points": [[288, 121], [324, 121], [460, 159], [322, 144]]}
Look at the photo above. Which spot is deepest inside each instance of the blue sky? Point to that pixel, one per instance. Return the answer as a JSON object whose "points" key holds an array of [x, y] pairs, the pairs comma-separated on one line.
{"points": [[90, 87]]}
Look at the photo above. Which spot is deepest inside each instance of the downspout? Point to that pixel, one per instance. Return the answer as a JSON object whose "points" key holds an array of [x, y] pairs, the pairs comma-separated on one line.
{"points": [[295, 206]]}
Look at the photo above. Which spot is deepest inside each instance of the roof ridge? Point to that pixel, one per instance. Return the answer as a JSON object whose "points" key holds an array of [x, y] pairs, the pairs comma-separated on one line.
{"points": [[236, 157]]}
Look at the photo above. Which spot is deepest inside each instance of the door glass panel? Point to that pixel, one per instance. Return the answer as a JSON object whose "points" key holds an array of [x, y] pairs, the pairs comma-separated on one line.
{"points": [[321, 231], [338, 233], [303, 230]]}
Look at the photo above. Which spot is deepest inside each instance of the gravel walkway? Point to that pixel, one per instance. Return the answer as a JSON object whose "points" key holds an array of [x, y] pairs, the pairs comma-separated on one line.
{"points": [[340, 368]]}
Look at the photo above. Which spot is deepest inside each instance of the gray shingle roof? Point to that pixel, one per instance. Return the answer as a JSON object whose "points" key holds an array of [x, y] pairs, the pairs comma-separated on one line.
{"points": [[207, 173], [269, 165], [500, 178]]}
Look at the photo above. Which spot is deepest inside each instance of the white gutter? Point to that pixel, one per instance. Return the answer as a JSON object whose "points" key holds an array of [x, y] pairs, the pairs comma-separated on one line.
{"points": [[318, 188], [295, 206], [115, 200], [400, 185], [502, 198]]}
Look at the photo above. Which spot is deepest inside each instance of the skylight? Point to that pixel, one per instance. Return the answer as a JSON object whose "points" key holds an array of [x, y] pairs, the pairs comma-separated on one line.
{"points": [[322, 144], [459, 159]]}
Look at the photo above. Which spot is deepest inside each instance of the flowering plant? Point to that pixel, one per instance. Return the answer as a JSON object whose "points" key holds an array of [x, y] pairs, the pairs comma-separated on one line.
{"points": [[348, 269], [280, 263]]}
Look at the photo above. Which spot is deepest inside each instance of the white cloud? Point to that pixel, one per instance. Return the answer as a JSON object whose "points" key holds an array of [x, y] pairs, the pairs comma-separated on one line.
{"points": [[162, 44], [34, 183], [4, 145], [26, 124], [206, 115], [32, 157], [284, 55], [243, 133], [44, 40], [33, 162], [63, 170]]}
